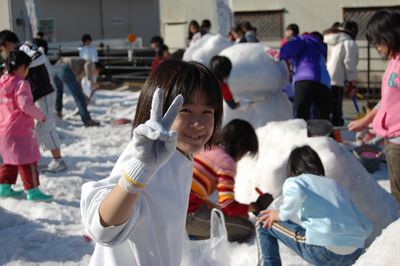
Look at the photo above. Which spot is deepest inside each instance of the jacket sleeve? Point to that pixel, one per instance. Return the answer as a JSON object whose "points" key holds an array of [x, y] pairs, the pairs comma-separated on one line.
{"points": [[93, 194], [350, 60], [226, 194], [227, 94], [25, 101], [291, 49], [293, 198]]}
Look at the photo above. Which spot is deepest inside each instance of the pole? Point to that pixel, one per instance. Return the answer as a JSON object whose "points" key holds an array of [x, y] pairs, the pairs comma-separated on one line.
{"points": [[101, 19], [368, 71]]}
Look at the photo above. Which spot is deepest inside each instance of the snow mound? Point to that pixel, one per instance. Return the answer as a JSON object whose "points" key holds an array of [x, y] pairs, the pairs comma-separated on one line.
{"points": [[268, 171], [253, 70], [256, 81], [205, 48], [383, 251]]}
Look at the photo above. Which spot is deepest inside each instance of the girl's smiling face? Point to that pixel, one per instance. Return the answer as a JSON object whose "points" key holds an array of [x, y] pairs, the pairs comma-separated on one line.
{"points": [[194, 124]]}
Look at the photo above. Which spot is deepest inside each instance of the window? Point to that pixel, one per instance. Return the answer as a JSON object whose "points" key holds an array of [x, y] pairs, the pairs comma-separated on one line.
{"points": [[362, 16], [269, 24]]}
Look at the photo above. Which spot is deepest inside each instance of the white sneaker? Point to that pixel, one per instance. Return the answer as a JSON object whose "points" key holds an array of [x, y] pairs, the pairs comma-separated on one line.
{"points": [[56, 165]]}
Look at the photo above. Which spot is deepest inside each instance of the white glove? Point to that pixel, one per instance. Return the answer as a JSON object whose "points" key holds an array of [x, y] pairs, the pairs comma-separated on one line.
{"points": [[153, 144]]}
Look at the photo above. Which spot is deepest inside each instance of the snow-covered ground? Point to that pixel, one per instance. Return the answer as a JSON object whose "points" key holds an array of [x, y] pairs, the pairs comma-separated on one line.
{"points": [[51, 233]]}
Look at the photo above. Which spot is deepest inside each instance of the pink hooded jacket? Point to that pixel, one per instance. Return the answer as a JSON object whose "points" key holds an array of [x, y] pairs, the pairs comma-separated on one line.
{"points": [[386, 122], [18, 143]]}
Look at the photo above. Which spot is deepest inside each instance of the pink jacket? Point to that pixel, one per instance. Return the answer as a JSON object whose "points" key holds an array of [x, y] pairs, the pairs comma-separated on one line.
{"points": [[18, 143], [387, 120]]}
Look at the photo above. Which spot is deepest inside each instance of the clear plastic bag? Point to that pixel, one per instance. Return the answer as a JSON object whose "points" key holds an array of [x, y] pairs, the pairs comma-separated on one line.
{"points": [[212, 251]]}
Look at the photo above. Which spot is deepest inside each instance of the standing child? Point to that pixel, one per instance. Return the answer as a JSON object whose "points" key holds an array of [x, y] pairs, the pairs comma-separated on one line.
{"points": [[221, 66], [43, 95], [18, 144], [311, 81], [137, 215], [383, 31], [215, 169], [331, 229]]}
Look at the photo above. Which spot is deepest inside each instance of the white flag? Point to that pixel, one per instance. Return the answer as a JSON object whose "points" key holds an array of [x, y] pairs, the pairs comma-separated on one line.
{"points": [[32, 9], [224, 16]]}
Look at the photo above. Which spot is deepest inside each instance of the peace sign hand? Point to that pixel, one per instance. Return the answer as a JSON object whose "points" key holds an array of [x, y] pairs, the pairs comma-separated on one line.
{"points": [[153, 142]]}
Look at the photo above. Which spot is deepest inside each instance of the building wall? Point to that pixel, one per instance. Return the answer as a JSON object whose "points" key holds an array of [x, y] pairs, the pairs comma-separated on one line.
{"points": [[103, 19], [175, 16], [5, 19], [310, 15]]}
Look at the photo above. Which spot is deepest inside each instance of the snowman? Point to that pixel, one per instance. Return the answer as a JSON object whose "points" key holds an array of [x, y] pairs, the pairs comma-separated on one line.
{"points": [[256, 79]]}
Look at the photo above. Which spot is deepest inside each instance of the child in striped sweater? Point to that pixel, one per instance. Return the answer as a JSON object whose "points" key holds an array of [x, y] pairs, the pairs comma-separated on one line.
{"points": [[215, 169]]}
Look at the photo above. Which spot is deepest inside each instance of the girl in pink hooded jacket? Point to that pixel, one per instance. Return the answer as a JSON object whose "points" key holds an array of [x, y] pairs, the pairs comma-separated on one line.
{"points": [[18, 144], [383, 31]]}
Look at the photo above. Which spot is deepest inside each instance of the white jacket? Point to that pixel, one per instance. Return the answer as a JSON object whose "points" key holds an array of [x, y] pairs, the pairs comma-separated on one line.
{"points": [[154, 233], [342, 58]]}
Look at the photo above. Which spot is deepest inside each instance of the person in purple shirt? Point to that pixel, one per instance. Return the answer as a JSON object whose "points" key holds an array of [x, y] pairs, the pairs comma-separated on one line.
{"points": [[307, 53]]}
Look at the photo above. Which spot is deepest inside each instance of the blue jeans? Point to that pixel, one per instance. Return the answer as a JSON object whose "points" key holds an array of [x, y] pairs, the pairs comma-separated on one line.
{"points": [[63, 76], [293, 236]]}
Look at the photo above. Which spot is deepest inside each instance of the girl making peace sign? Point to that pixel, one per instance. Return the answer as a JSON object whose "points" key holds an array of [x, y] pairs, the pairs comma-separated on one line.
{"points": [[137, 214]]}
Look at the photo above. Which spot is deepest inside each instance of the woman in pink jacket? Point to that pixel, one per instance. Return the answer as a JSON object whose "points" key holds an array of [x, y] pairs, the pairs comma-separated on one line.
{"points": [[383, 31], [18, 144]]}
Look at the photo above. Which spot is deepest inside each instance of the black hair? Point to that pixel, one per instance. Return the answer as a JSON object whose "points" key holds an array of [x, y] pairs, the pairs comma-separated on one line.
{"points": [[336, 24], [384, 28], [238, 28], [221, 66], [40, 34], [247, 26], [304, 160], [294, 28], [195, 24], [351, 27], [239, 138], [160, 51], [86, 37], [318, 35], [8, 36], [206, 23], [178, 54], [157, 39], [178, 77], [99, 66], [16, 59]]}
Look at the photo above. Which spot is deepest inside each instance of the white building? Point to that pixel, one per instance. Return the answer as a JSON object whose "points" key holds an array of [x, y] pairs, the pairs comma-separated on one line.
{"points": [[68, 20]]}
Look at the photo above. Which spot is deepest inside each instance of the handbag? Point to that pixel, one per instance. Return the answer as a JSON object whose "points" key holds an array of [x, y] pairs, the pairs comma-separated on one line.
{"points": [[212, 251]]}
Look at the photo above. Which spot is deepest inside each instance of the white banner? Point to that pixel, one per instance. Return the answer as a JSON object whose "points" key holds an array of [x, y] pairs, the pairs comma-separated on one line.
{"points": [[32, 9], [224, 16]]}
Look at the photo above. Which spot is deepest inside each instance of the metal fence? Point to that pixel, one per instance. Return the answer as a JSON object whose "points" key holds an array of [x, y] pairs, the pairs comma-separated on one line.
{"points": [[134, 64], [120, 63]]}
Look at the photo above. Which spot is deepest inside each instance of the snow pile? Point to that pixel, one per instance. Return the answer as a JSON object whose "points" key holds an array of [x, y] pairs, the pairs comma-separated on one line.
{"points": [[383, 251], [205, 48], [256, 81], [50, 234], [268, 171], [37, 233]]}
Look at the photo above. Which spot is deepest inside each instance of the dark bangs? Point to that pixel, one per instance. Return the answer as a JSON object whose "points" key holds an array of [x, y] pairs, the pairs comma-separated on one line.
{"points": [[177, 77], [304, 160], [384, 28]]}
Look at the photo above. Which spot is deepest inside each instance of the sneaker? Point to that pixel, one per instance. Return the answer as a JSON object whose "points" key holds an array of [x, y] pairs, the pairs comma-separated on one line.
{"points": [[92, 123], [56, 165], [7, 192], [35, 194]]}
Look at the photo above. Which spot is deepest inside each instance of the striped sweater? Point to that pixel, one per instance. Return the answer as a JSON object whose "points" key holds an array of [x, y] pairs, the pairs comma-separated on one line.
{"points": [[215, 169]]}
